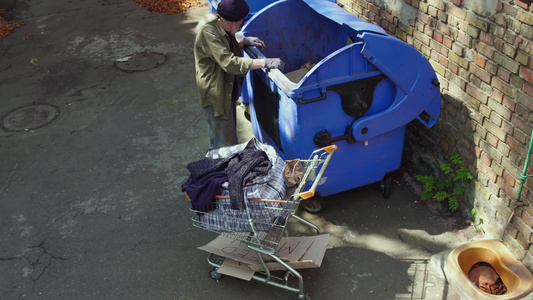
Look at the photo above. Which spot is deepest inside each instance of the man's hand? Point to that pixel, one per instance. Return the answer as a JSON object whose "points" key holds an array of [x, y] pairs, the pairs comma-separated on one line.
{"points": [[274, 63], [254, 41]]}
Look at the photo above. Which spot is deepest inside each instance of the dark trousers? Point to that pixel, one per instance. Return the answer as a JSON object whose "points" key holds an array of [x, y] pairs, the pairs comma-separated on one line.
{"points": [[222, 132]]}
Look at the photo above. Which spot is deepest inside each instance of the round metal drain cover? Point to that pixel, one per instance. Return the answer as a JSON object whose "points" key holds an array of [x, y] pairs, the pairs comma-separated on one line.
{"points": [[30, 117], [140, 61]]}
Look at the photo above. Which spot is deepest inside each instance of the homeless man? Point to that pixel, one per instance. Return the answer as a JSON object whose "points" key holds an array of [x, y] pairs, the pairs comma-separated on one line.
{"points": [[220, 68]]}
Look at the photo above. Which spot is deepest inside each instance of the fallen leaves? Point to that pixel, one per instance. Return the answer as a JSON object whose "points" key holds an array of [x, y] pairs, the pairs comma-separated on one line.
{"points": [[6, 27], [169, 6]]}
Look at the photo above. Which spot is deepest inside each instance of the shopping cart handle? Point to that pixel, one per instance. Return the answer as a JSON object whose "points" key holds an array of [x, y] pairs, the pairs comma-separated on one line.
{"points": [[307, 194], [329, 148]]}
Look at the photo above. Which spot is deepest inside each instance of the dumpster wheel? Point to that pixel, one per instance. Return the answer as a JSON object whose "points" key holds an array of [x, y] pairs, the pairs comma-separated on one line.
{"points": [[313, 205], [385, 185]]}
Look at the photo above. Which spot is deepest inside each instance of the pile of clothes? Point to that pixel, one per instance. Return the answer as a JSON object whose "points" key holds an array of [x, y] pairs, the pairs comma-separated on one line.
{"points": [[484, 276], [237, 174]]}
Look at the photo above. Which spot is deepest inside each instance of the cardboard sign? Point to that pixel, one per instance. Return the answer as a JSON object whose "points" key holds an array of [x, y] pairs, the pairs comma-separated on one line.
{"points": [[242, 262]]}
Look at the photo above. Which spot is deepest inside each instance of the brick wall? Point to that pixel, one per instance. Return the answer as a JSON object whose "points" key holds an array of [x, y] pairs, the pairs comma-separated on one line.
{"points": [[482, 53]]}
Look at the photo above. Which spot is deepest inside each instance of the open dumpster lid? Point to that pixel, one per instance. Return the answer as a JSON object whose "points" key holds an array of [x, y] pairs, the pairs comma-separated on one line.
{"points": [[333, 12]]}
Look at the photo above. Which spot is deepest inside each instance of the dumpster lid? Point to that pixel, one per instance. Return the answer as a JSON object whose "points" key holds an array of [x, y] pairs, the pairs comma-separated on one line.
{"points": [[333, 12]]}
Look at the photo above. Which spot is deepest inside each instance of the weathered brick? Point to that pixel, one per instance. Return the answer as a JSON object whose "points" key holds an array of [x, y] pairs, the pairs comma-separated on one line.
{"points": [[442, 16], [439, 4], [521, 137], [487, 160], [387, 16], [446, 41], [491, 67], [511, 168], [443, 61], [504, 75], [437, 36], [486, 37], [463, 63], [521, 123], [527, 217], [404, 27], [473, 31], [480, 60], [506, 62], [492, 128], [500, 19], [528, 90], [438, 68], [522, 241], [509, 50], [444, 28], [476, 21], [499, 109], [503, 87], [477, 94], [524, 17], [504, 149], [484, 49], [522, 3], [526, 74], [510, 180], [456, 11], [498, 44], [522, 58], [433, 11], [463, 38], [428, 31], [480, 73], [458, 49], [510, 10], [424, 39], [492, 140], [425, 18], [511, 231], [487, 171], [517, 82], [509, 103]]}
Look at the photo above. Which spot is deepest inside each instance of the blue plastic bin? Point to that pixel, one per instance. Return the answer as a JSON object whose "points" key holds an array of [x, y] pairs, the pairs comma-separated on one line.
{"points": [[255, 6], [364, 88]]}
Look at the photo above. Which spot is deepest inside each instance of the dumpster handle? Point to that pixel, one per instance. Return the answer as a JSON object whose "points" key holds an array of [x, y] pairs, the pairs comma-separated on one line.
{"points": [[323, 96]]}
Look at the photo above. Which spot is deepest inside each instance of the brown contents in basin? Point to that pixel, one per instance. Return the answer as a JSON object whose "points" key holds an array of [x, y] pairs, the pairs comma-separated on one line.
{"points": [[486, 278]]}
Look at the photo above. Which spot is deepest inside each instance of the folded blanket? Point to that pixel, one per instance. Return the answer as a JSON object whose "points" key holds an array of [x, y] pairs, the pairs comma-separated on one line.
{"points": [[202, 191], [241, 168], [486, 279]]}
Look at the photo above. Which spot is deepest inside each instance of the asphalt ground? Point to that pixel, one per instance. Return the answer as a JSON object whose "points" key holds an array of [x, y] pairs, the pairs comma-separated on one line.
{"points": [[91, 204]]}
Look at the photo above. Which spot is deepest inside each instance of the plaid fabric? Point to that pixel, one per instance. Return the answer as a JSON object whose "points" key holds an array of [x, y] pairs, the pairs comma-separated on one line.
{"points": [[259, 214]]}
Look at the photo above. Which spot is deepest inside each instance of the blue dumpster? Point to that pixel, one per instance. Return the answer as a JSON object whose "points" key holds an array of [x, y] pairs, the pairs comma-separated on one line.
{"points": [[358, 89], [255, 6]]}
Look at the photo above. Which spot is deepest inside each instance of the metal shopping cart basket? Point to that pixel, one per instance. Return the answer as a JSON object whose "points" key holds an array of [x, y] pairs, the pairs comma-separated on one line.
{"points": [[261, 224]]}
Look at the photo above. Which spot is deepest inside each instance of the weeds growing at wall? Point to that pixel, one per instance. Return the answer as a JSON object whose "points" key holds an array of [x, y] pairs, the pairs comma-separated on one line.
{"points": [[450, 185]]}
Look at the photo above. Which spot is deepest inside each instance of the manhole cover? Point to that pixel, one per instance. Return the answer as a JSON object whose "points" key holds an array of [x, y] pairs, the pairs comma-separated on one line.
{"points": [[30, 117], [140, 61]]}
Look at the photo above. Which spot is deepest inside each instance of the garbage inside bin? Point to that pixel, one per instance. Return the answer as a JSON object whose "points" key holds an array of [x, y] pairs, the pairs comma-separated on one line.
{"points": [[361, 89]]}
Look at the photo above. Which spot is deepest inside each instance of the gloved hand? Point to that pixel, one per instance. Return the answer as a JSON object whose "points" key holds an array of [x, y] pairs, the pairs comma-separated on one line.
{"points": [[254, 41], [274, 63]]}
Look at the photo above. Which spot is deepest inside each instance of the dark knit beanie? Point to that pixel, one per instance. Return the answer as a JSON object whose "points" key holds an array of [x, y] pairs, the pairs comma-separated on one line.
{"points": [[233, 10]]}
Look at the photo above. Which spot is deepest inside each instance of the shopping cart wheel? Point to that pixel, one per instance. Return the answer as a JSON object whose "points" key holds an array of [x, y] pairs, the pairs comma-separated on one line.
{"points": [[213, 273], [303, 297], [385, 185], [313, 205]]}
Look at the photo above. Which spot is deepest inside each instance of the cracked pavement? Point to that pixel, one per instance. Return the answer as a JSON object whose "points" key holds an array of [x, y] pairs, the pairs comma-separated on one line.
{"points": [[91, 203]]}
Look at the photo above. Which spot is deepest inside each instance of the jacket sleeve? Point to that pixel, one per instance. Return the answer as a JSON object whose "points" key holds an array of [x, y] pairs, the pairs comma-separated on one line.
{"points": [[227, 60]]}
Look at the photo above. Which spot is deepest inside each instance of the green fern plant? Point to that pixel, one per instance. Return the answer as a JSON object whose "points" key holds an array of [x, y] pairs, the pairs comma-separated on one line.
{"points": [[456, 177]]}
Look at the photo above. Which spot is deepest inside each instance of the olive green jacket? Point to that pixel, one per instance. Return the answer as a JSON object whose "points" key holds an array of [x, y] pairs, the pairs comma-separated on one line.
{"points": [[216, 67]]}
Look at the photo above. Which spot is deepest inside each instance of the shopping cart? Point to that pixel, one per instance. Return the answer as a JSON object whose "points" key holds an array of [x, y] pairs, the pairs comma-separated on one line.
{"points": [[261, 224]]}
